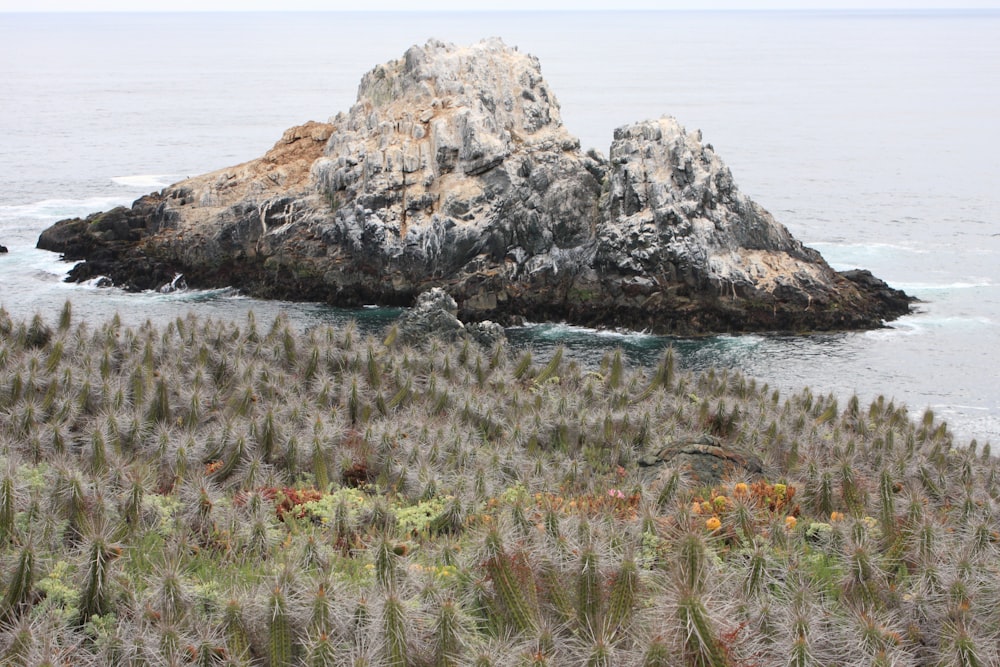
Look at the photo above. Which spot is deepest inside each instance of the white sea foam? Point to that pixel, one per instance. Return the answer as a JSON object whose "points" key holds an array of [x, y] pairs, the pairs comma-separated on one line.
{"points": [[57, 209], [153, 181], [30, 259], [193, 295], [866, 249], [931, 287], [916, 325], [564, 330]]}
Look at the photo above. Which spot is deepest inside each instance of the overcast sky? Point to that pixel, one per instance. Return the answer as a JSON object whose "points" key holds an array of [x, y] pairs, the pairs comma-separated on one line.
{"points": [[411, 5]]}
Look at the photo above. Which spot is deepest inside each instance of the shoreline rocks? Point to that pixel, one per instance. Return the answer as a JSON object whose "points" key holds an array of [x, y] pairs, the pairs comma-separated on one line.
{"points": [[435, 315], [453, 170]]}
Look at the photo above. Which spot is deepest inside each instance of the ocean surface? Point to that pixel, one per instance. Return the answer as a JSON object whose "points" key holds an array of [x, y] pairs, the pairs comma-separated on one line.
{"points": [[873, 136]]}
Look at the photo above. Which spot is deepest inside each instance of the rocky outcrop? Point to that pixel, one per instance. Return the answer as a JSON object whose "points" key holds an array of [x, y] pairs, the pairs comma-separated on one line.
{"points": [[3, 250], [453, 170], [435, 314], [706, 461]]}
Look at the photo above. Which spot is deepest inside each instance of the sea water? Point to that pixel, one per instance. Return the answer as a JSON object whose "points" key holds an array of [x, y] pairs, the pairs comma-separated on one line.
{"points": [[872, 135]]}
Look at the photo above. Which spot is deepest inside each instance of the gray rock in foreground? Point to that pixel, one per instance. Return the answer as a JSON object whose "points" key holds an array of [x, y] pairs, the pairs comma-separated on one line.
{"points": [[453, 170], [435, 316]]}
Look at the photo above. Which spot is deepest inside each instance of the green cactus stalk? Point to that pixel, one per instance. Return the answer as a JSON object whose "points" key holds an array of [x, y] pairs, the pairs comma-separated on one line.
{"points": [[447, 643], [55, 357], [753, 584], [20, 586], [320, 468], [96, 596], [394, 633], [8, 507], [321, 652], [556, 593], [98, 452], [550, 368], [667, 493], [289, 348], [616, 372], [589, 593], [319, 611], [600, 654], [691, 562], [658, 654], [71, 496], [516, 594], [386, 565], [523, 365], [887, 505], [354, 403], [663, 377], [234, 629], [374, 371], [701, 645], [267, 436], [159, 407], [800, 654], [401, 396], [66, 316], [451, 521], [21, 642], [279, 628], [959, 648], [623, 598]]}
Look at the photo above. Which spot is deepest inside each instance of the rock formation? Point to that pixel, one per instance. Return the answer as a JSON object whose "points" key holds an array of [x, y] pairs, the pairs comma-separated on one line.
{"points": [[706, 461], [436, 315], [453, 170]]}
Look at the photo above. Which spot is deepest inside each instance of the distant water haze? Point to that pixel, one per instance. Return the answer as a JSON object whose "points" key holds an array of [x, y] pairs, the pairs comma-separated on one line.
{"points": [[871, 136]]}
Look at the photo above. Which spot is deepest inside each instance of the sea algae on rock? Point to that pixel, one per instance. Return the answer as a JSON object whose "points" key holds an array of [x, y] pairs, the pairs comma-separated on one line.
{"points": [[453, 170]]}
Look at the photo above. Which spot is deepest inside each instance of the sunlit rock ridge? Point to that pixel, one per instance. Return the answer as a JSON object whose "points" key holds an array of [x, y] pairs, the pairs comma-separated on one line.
{"points": [[453, 169]]}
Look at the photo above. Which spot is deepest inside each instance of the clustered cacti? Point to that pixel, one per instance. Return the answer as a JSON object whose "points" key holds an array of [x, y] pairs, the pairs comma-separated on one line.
{"points": [[215, 493]]}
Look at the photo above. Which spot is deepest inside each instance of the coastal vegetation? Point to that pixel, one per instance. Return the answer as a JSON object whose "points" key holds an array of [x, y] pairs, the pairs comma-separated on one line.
{"points": [[216, 493]]}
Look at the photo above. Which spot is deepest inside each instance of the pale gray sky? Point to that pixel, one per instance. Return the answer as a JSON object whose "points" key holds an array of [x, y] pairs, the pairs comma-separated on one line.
{"points": [[411, 5]]}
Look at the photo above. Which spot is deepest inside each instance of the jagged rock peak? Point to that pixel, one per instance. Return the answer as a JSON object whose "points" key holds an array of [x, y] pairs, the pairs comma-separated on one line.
{"points": [[441, 109], [500, 86]]}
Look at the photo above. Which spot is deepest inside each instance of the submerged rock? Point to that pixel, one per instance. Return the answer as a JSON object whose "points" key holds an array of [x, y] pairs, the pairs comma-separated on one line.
{"points": [[454, 170]]}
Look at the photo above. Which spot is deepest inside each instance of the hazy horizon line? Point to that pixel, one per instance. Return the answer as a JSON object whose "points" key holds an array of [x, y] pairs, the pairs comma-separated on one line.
{"points": [[741, 10]]}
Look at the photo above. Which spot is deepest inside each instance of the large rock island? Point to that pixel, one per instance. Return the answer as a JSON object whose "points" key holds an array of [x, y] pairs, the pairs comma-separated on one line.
{"points": [[454, 170]]}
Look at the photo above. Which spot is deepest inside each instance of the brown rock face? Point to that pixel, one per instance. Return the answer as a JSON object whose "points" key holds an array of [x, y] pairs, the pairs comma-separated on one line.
{"points": [[453, 170]]}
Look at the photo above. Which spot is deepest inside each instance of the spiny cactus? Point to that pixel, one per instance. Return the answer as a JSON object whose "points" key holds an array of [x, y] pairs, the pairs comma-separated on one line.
{"points": [[280, 640], [511, 580], [19, 585], [624, 598], [8, 506], [395, 650], [100, 552], [700, 641], [234, 629], [589, 592], [448, 631]]}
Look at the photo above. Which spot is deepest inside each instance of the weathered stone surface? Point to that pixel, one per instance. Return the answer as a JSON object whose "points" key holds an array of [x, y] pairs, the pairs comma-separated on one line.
{"points": [[706, 461], [435, 315], [453, 170]]}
